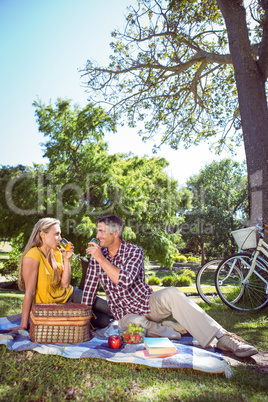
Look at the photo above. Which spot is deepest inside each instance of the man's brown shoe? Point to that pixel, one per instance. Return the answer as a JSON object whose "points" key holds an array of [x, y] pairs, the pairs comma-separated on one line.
{"points": [[236, 345]]}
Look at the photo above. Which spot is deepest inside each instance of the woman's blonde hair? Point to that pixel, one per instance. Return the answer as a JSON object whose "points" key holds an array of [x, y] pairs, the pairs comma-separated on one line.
{"points": [[43, 225]]}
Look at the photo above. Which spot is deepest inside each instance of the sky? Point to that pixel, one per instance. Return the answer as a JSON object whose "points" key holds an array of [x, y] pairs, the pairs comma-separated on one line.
{"points": [[43, 45]]}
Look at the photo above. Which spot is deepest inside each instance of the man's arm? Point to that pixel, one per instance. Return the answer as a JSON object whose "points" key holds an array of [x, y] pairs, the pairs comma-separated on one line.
{"points": [[111, 270], [125, 275], [90, 286]]}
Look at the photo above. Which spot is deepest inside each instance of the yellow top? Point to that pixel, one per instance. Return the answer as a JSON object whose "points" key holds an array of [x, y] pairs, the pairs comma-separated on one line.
{"points": [[46, 292]]}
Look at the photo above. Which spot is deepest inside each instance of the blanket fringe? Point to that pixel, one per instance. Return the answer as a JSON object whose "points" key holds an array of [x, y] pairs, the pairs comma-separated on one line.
{"points": [[227, 370]]}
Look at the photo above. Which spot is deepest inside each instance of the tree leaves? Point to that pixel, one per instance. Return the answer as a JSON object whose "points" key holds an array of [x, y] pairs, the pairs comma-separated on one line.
{"points": [[173, 67]]}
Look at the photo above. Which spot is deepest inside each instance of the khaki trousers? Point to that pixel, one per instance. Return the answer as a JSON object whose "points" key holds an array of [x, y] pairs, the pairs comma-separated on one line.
{"points": [[171, 301]]}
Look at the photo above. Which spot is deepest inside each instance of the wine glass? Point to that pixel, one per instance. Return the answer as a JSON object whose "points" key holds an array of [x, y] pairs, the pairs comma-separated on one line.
{"points": [[87, 256], [66, 244]]}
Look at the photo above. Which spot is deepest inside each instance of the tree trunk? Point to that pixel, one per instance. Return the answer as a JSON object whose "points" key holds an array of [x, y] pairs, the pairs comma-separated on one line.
{"points": [[84, 274], [202, 254], [250, 82]]}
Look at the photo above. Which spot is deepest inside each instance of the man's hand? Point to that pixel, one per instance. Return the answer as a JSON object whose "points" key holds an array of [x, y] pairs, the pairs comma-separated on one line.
{"points": [[94, 250], [111, 270]]}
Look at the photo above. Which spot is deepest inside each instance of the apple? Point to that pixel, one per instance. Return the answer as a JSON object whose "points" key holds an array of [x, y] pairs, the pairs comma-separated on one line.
{"points": [[115, 341]]}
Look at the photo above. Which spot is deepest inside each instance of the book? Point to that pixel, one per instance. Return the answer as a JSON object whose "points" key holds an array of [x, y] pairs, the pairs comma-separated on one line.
{"points": [[158, 346], [144, 354]]}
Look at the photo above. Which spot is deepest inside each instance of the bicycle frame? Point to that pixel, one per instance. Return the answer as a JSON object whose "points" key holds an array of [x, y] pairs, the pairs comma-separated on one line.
{"points": [[262, 247], [241, 279]]}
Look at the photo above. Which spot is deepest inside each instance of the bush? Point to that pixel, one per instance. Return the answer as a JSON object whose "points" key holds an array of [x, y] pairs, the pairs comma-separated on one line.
{"points": [[167, 280], [153, 280], [77, 272], [11, 265], [194, 259], [179, 258], [181, 280], [187, 272]]}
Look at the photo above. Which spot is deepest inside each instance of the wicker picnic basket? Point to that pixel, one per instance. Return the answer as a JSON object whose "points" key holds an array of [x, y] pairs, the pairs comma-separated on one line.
{"points": [[60, 323]]}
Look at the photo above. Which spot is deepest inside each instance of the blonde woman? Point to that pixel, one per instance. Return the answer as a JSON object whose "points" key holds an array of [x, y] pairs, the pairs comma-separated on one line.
{"points": [[45, 273]]}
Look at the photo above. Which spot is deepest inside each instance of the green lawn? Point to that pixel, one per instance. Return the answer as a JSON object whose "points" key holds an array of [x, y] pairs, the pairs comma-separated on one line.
{"points": [[29, 376]]}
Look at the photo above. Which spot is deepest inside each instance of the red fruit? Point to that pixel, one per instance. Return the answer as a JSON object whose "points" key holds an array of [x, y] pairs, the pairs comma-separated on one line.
{"points": [[115, 341], [127, 336], [137, 338]]}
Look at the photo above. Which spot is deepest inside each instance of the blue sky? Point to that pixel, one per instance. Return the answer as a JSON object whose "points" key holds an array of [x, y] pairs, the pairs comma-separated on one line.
{"points": [[43, 44]]}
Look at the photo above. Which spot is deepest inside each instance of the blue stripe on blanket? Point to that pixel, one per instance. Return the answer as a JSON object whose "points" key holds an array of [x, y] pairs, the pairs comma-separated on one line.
{"points": [[190, 355]]}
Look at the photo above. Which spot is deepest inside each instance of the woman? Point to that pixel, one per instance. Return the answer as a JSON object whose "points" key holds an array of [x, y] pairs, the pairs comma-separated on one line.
{"points": [[45, 274]]}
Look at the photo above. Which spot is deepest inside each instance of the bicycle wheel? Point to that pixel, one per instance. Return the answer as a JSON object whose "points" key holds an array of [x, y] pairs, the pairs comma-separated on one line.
{"points": [[251, 295], [205, 282]]}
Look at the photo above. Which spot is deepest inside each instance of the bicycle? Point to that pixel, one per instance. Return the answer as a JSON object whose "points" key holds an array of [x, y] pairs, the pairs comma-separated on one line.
{"points": [[241, 279], [205, 282]]}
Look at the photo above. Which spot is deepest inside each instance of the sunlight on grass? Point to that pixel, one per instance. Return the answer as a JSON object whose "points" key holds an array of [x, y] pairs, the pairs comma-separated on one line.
{"points": [[32, 376], [10, 304]]}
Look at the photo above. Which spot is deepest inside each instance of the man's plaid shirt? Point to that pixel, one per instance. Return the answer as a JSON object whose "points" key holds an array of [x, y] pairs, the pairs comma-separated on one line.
{"points": [[131, 294]]}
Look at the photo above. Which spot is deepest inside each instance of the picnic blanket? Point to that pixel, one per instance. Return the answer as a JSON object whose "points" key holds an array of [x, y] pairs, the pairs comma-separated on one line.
{"points": [[190, 355]]}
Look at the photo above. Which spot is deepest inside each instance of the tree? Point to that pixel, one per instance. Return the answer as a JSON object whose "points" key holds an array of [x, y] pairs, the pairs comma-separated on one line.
{"points": [[148, 201], [194, 70], [219, 206], [82, 181], [20, 198]]}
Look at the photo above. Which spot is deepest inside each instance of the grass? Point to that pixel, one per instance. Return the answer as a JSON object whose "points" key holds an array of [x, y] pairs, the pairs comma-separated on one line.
{"points": [[29, 376]]}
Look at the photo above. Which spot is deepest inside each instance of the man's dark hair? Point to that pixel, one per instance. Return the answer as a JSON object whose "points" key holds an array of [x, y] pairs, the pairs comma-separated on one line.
{"points": [[113, 223]]}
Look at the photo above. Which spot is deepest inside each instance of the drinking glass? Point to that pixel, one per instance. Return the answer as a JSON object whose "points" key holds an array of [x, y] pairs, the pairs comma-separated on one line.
{"points": [[87, 256], [66, 244]]}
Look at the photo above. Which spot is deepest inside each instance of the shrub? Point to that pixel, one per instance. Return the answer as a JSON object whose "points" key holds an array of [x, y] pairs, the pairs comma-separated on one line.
{"points": [[179, 258], [181, 280], [10, 266], [76, 272], [194, 259], [167, 280], [187, 272], [153, 280]]}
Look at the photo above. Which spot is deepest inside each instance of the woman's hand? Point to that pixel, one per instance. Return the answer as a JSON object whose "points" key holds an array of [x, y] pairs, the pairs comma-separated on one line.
{"points": [[20, 328], [66, 272], [67, 254]]}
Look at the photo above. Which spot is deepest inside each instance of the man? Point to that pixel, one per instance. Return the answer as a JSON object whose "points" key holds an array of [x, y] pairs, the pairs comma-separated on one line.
{"points": [[120, 269]]}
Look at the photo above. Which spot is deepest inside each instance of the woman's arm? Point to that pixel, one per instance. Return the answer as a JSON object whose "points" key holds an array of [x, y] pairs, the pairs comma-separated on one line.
{"points": [[66, 271], [30, 274]]}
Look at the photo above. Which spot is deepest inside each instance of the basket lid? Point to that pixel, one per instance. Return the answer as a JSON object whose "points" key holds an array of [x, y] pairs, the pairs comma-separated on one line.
{"points": [[60, 310]]}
